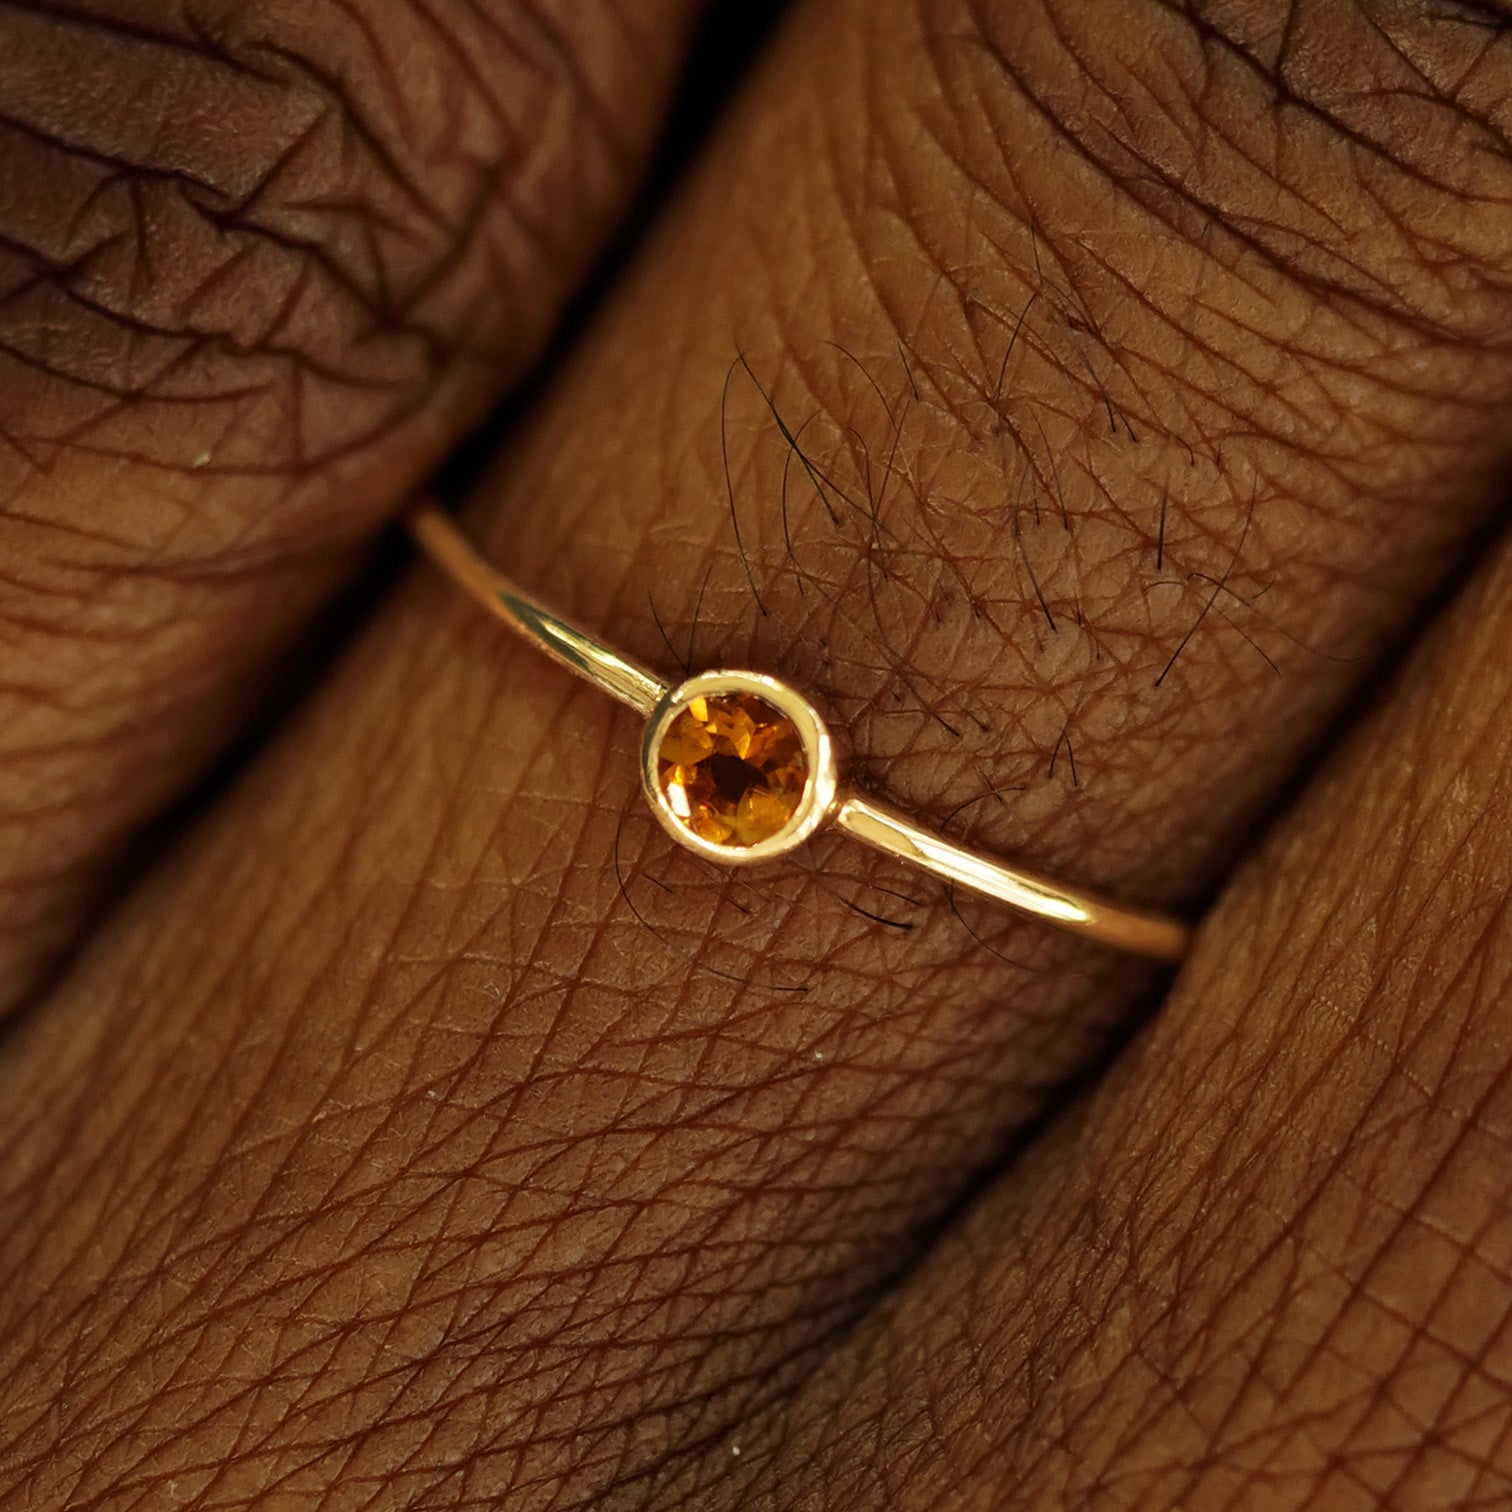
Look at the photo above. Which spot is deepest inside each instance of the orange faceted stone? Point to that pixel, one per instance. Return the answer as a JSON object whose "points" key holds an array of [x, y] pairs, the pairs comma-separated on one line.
{"points": [[733, 768]]}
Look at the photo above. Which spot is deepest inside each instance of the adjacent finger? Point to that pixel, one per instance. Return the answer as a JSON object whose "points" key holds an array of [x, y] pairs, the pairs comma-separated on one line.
{"points": [[260, 265], [497, 1152], [1272, 1264]]}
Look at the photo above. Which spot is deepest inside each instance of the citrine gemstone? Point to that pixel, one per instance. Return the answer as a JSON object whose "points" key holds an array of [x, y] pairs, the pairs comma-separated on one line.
{"points": [[732, 768]]}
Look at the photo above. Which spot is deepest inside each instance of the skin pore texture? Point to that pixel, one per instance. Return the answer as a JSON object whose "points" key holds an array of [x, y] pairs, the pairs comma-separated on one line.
{"points": [[1268, 1265], [236, 333], [1083, 402]]}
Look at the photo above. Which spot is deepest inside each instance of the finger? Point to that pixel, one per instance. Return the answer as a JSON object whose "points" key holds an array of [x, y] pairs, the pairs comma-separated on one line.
{"points": [[1272, 1265], [612, 1144], [259, 267]]}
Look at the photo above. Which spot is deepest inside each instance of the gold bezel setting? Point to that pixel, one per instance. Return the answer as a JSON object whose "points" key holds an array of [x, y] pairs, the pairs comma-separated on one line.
{"points": [[820, 790]]}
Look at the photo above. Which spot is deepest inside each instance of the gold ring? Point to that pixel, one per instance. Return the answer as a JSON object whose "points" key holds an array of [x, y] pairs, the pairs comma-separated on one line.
{"points": [[741, 768]]}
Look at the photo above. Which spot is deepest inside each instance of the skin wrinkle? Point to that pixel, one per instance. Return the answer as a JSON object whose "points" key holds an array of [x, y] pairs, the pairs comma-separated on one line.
{"points": [[234, 339], [446, 1083], [1288, 251], [1392, 1105]]}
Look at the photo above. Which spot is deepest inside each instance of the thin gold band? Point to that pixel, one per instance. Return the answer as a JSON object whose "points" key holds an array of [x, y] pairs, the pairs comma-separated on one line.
{"points": [[876, 824]]}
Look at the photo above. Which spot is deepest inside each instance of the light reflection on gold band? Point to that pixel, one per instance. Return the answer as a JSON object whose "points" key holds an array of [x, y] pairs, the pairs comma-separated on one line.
{"points": [[886, 829], [619, 676]]}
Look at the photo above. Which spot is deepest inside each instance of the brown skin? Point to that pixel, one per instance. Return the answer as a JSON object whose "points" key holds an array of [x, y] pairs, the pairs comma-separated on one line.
{"points": [[1270, 1264], [232, 345], [427, 1133]]}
